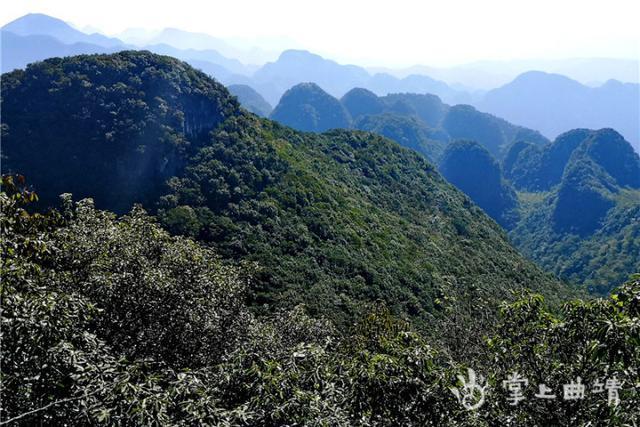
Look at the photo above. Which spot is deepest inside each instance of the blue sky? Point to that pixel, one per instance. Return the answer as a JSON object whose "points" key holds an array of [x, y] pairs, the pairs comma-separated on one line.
{"points": [[391, 33]]}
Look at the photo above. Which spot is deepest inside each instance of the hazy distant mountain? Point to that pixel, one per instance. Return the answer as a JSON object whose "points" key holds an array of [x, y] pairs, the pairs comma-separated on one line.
{"points": [[39, 24], [297, 66], [553, 103], [251, 100], [307, 107], [18, 51], [485, 75], [383, 84], [37, 37], [187, 40], [212, 56]]}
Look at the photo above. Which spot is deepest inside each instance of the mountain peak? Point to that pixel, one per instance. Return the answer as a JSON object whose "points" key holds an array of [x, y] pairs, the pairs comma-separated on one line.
{"points": [[299, 55], [306, 106], [25, 25]]}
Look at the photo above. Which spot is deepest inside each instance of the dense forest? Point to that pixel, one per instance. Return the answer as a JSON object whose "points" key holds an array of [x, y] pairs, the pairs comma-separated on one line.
{"points": [[213, 267]]}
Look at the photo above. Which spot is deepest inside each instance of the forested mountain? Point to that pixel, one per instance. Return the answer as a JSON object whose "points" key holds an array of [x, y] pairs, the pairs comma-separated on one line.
{"points": [[118, 126], [334, 219], [308, 108], [552, 103], [251, 100], [408, 131], [420, 122], [581, 204]]}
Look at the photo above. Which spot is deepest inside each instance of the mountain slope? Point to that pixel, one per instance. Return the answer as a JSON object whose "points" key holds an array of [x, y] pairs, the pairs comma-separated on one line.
{"points": [[251, 100], [334, 220], [470, 167]]}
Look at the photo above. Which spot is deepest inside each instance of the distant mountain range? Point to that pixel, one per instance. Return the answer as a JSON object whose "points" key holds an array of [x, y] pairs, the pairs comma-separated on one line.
{"points": [[552, 104], [487, 75]]}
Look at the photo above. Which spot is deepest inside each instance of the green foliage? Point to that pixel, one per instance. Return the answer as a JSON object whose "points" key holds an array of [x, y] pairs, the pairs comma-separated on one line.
{"points": [[112, 127], [73, 353], [98, 310], [337, 219], [592, 340], [585, 228]]}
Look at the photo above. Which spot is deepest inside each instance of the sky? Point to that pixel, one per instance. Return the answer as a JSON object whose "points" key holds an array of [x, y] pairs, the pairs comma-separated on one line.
{"points": [[384, 33]]}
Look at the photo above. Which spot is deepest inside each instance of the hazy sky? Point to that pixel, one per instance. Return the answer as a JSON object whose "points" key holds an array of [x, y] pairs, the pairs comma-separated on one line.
{"points": [[389, 33]]}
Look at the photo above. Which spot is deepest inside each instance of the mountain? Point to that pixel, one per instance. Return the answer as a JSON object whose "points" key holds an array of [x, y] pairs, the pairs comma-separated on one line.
{"points": [[427, 107], [480, 76], [134, 133], [203, 56], [418, 121], [384, 84], [251, 100], [580, 206], [37, 37], [333, 219], [470, 167], [553, 103], [362, 102], [187, 40], [18, 51], [44, 25], [494, 133], [298, 66], [538, 168], [308, 108]]}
